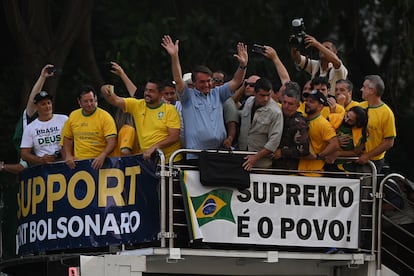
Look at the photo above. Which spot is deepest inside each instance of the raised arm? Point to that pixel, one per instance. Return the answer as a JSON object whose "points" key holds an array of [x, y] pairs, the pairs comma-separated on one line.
{"points": [[172, 49], [37, 87], [295, 53], [117, 70], [108, 93], [271, 54], [330, 56], [240, 73], [238, 94]]}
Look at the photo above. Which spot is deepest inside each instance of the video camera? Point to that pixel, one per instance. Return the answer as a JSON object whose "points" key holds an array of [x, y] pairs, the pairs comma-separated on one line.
{"points": [[297, 40]]}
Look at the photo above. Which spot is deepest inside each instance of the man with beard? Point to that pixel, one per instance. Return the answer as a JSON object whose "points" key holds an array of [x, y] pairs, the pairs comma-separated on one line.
{"points": [[352, 135], [323, 141], [157, 123]]}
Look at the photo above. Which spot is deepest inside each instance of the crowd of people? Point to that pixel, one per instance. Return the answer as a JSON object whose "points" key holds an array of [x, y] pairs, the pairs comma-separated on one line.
{"points": [[305, 128]]}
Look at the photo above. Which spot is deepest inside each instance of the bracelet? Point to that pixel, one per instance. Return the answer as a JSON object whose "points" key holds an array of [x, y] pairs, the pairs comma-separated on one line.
{"points": [[242, 67]]}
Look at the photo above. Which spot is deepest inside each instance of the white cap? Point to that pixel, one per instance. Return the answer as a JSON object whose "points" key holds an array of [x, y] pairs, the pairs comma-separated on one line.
{"points": [[187, 78]]}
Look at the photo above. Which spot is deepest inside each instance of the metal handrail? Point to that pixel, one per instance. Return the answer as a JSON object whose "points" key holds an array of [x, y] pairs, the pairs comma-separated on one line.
{"points": [[163, 197], [170, 187], [380, 193]]}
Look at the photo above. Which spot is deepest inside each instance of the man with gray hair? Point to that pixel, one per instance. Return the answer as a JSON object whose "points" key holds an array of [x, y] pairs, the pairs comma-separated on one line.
{"points": [[381, 122], [294, 143]]}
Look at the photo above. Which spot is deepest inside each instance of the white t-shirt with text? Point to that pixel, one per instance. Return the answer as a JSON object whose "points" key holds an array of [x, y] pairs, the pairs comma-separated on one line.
{"points": [[44, 136]]}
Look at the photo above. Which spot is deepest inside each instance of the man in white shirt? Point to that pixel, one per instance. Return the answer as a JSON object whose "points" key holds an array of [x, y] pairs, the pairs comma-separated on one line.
{"points": [[41, 138], [329, 65]]}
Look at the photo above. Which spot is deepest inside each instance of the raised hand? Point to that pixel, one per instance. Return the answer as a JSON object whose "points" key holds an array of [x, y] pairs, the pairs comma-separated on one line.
{"points": [[169, 45], [242, 55], [116, 69]]}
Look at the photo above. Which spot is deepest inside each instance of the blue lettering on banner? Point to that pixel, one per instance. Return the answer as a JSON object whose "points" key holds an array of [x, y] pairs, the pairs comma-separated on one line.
{"points": [[60, 208]]}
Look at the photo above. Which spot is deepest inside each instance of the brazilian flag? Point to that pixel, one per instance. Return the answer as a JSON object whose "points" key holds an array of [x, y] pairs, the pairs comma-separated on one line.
{"points": [[215, 204]]}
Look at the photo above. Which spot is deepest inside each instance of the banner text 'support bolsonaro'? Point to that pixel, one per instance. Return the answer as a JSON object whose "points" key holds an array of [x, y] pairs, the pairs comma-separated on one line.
{"points": [[61, 208], [275, 210]]}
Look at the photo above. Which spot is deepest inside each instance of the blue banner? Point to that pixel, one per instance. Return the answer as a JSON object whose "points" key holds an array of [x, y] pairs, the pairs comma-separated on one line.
{"points": [[60, 208]]}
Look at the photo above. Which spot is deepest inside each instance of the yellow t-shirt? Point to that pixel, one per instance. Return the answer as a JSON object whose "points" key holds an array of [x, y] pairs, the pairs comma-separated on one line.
{"points": [[127, 139], [320, 132], [89, 132], [325, 112], [153, 123], [351, 104], [301, 108], [381, 125], [334, 118]]}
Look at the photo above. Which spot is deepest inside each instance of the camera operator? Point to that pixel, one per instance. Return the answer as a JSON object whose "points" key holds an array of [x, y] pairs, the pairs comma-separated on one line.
{"points": [[328, 65]]}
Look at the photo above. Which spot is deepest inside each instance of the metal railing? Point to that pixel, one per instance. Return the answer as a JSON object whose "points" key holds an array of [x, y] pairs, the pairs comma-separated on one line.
{"points": [[381, 216]]}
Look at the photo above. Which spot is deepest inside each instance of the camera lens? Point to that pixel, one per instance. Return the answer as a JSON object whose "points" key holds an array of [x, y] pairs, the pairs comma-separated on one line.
{"points": [[296, 22]]}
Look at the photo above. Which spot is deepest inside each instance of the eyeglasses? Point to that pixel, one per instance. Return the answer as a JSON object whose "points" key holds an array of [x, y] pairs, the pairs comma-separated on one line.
{"points": [[217, 80], [350, 121], [251, 84]]}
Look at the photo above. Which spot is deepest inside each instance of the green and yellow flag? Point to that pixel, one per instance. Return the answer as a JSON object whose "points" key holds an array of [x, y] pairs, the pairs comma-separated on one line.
{"points": [[216, 204]]}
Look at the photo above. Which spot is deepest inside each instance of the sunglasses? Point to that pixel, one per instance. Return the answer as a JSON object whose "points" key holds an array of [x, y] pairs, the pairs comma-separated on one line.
{"points": [[217, 80], [251, 84]]}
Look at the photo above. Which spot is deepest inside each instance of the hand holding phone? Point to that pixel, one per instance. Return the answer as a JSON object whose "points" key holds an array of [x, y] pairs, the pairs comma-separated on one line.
{"points": [[260, 49], [53, 70]]}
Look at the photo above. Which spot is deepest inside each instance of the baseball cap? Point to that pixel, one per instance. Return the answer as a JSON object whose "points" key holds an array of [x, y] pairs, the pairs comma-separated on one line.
{"points": [[317, 95], [41, 96], [187, 78], [169, 83]]}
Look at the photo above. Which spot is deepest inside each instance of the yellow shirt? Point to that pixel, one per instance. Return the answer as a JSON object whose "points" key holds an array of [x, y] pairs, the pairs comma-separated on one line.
{"points": [[326, 113], [381, 125], [320, 132], [351, 104], [301, 108], [89, 132], [127, 139], [325, 110], [153, 123]]}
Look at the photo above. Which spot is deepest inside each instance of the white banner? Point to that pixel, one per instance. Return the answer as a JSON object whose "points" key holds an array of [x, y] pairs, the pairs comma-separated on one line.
{"points": [[276, 210]]}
